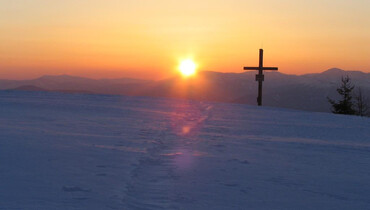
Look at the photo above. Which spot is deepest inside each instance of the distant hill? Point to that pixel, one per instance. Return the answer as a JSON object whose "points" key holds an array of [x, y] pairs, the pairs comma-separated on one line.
{"points": [[29, 88], [305, 92], [35, 88], [72, 84]]}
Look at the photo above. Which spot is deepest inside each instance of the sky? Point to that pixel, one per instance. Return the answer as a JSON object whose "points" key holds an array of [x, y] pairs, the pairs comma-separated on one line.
{"points": [[147, 39]]}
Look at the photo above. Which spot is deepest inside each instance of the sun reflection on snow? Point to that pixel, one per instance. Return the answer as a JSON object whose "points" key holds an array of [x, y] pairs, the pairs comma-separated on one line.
{"points": [[186, 129], [188, 119], [184, 159], [186, 122]]}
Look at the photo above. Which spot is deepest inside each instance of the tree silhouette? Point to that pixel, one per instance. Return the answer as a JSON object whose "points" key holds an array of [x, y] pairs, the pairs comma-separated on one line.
{"points": [[362, 109], [345, 105]]}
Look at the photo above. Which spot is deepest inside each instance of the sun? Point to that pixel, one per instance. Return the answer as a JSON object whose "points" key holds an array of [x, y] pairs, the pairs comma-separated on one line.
{"points": [[187, 67]]}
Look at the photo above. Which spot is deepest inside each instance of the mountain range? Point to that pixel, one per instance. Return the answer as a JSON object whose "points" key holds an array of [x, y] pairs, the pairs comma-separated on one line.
{"points": [[304, 92]]}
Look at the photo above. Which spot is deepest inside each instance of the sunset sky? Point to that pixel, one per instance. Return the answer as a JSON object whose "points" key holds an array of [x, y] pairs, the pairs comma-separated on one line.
{"points": [[147, 39]]}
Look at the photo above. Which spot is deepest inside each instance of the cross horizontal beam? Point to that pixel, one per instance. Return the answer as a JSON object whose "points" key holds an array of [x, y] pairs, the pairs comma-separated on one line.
{"points": [[263, 68]]}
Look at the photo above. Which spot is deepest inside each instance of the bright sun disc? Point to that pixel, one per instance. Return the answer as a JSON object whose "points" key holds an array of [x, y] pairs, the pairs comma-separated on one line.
{"points": [[187, 67]]}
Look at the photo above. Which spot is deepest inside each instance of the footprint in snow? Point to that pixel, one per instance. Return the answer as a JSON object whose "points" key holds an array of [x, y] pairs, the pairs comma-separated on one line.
{"points": [[231, 185], [219, 145], [75, 189], [239, 161], [80, 199]]}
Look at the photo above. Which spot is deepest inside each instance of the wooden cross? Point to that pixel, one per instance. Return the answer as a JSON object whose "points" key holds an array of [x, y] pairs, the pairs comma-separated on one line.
{"points": [[260, 77]]}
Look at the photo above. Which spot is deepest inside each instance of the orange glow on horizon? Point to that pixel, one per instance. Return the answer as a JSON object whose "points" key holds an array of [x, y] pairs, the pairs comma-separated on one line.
{"points": [[144, 39]]}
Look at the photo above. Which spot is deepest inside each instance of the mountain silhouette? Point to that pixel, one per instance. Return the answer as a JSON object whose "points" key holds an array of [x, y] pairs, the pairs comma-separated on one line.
{"points": [[29, 88], [305, 92]]}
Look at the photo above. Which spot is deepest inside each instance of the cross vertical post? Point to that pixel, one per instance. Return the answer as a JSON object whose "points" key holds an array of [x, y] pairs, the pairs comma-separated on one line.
{"points": [[260, 77], [260, 74]]}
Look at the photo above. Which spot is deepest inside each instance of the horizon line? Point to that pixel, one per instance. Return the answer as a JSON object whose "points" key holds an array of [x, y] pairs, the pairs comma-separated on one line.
{"points": [[113, 78]]}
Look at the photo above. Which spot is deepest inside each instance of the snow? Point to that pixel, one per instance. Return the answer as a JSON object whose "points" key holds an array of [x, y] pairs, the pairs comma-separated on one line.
{"points": [[65, 151]]}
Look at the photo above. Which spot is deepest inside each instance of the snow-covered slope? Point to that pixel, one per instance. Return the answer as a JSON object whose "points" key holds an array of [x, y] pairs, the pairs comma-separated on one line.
{"points": [[60, 151]]}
